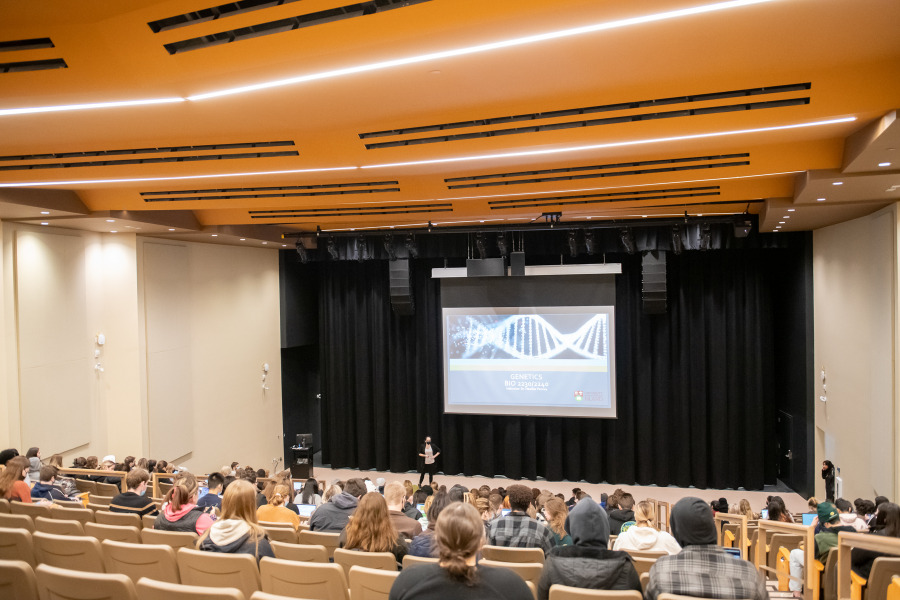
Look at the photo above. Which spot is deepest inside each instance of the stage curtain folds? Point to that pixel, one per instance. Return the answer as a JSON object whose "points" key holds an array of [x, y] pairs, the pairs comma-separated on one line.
{"points": [[694, 386]]}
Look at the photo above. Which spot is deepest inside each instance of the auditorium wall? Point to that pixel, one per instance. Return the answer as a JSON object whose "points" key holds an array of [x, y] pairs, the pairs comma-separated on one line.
{"points": [[855, 282], [187, 328]]}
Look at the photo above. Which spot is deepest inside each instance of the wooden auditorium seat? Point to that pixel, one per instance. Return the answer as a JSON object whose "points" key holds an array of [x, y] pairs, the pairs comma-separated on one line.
{"points": [[58, 526], [83, 515], [106, 517], [371, 584], [176, 539], [16, 544], [383, 561], [156, 561], [55, 583], [410, 561], [527, 571], [149, 521], [17, 522], [107, 489], [300, 552], [4, 506], [79, 553], [286, 535], [118, 533], [313, 581], [17, 581], [150, 589], [31, 510], [218, 570], [320, 538], [520, 555], [565, 592]]}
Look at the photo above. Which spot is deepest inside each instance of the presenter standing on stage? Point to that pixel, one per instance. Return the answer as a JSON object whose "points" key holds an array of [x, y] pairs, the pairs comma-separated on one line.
{"points": [[428, 453]]}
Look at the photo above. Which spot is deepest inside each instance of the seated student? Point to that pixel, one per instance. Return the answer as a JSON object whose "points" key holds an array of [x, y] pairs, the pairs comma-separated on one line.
{"points": [[12, 480], [588, 563], [7, 454], [887, 523], [423, 544], [180, 511], [237, 531], [409, 502], [643, 536], [555, 513], [848, 517], [458, 537], [309, 494], [517, 529], [702, 568], [34, 459], [109, 464], [370, 529], [250, 476], [215, 484], [276, 511], [623, 514], [135, 500], [829, 519], [45, 488], [394, 495], [334, 515], [777, 512]]}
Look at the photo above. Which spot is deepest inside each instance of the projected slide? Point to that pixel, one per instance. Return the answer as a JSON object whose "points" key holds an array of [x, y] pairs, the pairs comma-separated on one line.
{"points": [[550, 361]]}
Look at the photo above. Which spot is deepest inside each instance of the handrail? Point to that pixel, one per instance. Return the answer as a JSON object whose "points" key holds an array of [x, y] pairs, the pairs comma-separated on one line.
{"points": [[660, 505], [848, 541], [809, 549], [730, 518], [74, 471]]}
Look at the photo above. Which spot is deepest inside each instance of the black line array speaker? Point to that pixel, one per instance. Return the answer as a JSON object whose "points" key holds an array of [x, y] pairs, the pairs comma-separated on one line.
{"points": [[653, 282], [402, 300]]}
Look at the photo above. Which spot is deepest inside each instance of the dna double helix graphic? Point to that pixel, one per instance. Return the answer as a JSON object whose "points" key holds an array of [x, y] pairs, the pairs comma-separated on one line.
{"points": [[527, 337]]}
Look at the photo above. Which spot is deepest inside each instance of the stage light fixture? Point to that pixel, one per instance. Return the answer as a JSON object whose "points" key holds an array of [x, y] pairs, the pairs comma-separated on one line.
{"points": [[302, 252], [332, 248], [573, 243], [589, 242], [705, 237], [677, 239], [412, 247], [481, 245], [362, 251], [389, 247], [502, 244], [627, 238]]}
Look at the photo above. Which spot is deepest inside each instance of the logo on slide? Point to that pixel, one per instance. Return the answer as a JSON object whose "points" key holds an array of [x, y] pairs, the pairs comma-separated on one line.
{"points": [[579, 396]]}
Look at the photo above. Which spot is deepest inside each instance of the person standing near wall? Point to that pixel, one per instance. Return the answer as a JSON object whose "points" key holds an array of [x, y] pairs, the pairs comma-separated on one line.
{"points": [[828, 476]]}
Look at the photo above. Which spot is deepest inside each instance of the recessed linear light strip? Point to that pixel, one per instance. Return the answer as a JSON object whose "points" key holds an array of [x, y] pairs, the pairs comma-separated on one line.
{"points": [[481, 157], [520, 41]]}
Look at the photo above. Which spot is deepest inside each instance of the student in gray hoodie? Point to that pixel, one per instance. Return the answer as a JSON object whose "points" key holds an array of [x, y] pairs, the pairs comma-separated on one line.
{"points": [[237, 531], [335, 514], [588, 563]]}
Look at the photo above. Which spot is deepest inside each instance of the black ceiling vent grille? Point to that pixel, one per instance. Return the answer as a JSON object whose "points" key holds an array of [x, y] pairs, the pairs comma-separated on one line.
{"points": [[686, 112], [33, 65], [571, 112], [321, 17], [157, 150], [274, 195], [670, 169], [354, 211], [608, 197], [30, 44], [146, 161], [316, 186]]}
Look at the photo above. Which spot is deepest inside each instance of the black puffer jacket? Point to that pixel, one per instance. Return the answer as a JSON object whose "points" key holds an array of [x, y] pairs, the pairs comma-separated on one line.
{"points": [[588, 564]]}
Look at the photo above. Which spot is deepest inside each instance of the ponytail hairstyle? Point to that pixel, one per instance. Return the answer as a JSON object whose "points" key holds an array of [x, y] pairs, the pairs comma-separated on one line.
{"points": [[557, 512], [645, 514], [184, 491], [458, 536], [280, 495]]}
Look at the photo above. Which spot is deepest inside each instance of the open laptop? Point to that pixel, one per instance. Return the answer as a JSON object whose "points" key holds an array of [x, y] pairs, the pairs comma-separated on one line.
{"points": [[764, 514], [808, 518], [203, 491], [505, 511], [306, 510]]}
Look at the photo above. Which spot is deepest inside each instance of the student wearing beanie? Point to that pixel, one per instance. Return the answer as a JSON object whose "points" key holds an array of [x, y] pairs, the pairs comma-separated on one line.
{"points": [[702, 568], [830, 520]]}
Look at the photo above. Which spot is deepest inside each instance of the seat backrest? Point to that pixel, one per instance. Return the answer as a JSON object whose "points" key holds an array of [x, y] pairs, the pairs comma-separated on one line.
{"points": [[527, 571], [176, 539], [410, 561], [4, 506], [17, 522], [320, 538], [107, 489], [788, 541], [265, 596], [32, 510], [58, 526], [118, 533], [218, 570], [68, 504], [148, 589], [317, 581], [371, 584], [103, 500], [300, 552], [519, 555], [651, 554], [148, 521], [883, 571], [85, 485], [645, 579], [156, 561], [16, 544], [829, 576], [164, 488], [83, 515], [565, 592], [65, 584], [111, 518], [384, 561], [79, 553], [643, 565], [277, 524], [17, 581], [281, 534]]}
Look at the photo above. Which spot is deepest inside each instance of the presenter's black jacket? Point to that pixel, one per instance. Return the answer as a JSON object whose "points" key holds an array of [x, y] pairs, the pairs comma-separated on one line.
{"points": [[434, 449]]}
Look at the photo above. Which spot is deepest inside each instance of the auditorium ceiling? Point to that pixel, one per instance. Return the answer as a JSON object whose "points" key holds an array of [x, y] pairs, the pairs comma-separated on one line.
{"points": [[256, 118]]}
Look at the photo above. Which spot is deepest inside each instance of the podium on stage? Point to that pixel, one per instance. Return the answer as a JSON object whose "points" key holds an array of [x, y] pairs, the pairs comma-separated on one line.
{"points": [[302, 457]]}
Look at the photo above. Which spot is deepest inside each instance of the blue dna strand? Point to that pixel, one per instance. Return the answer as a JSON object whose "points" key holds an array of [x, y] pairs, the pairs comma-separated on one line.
{"points": [[528, 337]]}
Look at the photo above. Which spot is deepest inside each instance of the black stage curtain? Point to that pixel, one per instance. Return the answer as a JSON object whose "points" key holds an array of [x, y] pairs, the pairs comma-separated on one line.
{"points": [[695, 393]]}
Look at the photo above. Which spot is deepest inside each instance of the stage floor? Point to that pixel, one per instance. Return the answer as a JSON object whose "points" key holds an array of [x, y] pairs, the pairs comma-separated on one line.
{"points": [[795, 502]]}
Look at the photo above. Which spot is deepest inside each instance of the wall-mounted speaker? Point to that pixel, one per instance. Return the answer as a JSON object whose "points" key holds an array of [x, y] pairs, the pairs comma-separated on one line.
{"points": [[402, 300]]}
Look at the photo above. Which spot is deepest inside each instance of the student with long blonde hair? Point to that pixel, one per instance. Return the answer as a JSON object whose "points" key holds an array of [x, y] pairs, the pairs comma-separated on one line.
{"points": [[556, 512], [371, 530], [643, 535], [276, 511], [745, 509], [180, 511], [237, 531]]}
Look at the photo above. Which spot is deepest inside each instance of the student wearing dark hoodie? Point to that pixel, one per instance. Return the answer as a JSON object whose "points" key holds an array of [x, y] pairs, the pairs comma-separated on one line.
{"points": [[237, 531], [702, 568], [45, 488], [621, 515], [334, 514], [180, 511], [588, 563]]}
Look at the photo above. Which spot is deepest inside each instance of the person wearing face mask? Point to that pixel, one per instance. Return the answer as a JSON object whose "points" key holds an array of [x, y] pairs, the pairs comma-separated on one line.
{"points": [[428, 454], [135, 500]]}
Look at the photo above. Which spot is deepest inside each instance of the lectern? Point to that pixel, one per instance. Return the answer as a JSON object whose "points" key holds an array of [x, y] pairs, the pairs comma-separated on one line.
{"points": [[302, 457]]}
